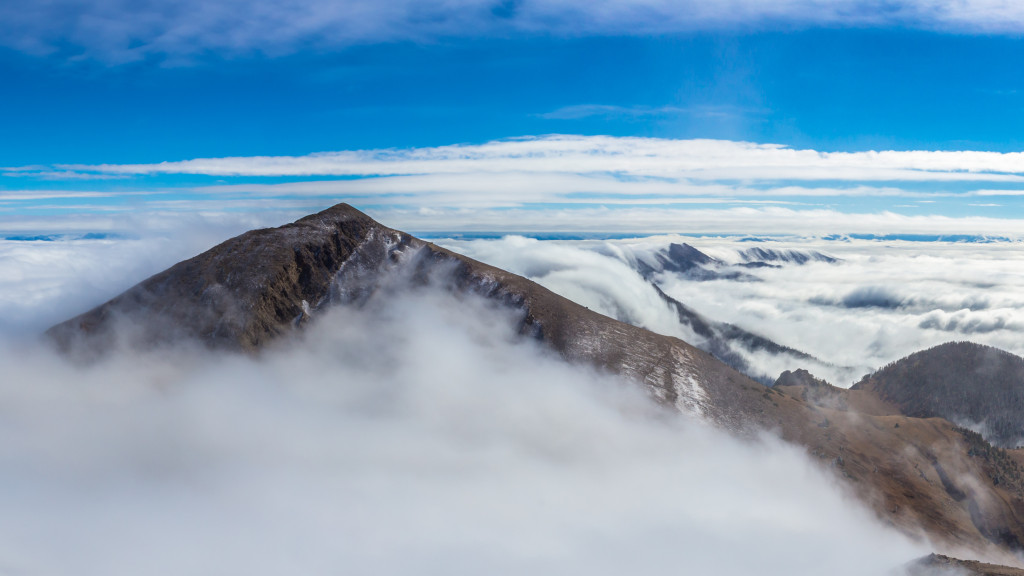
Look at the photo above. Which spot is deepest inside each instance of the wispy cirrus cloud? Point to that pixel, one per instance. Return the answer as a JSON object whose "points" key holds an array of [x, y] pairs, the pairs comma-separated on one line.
{"points": [[625, 157], [9, 195], [580, 111], [578, 183], [118, 31]]}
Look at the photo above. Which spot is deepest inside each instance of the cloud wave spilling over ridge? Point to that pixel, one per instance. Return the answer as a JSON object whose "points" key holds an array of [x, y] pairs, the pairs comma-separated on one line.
{"points": [[883, 299], [417, 435], [117, 31]]}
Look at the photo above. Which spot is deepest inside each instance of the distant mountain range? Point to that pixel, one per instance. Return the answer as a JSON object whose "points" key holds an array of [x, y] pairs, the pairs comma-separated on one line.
{"points": [[696, 265], [897, 439], [729, 343]]}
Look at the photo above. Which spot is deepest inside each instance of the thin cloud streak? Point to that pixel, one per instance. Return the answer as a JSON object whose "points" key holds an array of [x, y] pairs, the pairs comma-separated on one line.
{"points": [[600, 220], [740, 220], [574, 183], [55, 194], [580, 111], [520, 188], [623, 156], [119, 31]]}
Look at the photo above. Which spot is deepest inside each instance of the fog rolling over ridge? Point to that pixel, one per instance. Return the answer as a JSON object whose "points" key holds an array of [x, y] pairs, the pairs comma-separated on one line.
{"points": [[880, 300], [401, 340], [418, 434], [511, 288]]}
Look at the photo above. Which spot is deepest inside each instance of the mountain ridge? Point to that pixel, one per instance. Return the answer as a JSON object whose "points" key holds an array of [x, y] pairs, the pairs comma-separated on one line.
{"points": [[940, 381], [256, 288]]}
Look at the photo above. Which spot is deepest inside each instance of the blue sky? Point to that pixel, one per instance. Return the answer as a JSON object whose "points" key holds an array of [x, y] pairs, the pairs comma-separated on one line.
{"points": [[119, 83]]}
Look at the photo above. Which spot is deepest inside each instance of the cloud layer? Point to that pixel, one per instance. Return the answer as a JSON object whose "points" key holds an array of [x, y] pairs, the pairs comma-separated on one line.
{"points": [[631, 157], [560, 183], [422, 425], [418, 435], [47, 280], [118, 31], [883, 300]]}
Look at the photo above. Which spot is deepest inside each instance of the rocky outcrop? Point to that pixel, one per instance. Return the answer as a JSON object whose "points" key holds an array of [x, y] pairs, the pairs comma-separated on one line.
{"points": [[939, 565], [765, 255]]}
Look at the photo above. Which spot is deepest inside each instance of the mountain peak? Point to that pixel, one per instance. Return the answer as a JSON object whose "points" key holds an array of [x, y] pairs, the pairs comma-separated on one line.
{"points": [[970, 384], [260, 286], [332, 216], [240, 293]]}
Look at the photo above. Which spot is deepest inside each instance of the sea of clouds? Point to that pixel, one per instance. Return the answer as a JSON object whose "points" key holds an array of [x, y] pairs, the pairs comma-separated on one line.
{"points": [[417, 435], [421, 435], [882, 300]]}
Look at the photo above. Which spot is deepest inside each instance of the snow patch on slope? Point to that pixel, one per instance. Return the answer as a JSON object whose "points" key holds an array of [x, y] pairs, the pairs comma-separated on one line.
{"points": [[691, 396]]}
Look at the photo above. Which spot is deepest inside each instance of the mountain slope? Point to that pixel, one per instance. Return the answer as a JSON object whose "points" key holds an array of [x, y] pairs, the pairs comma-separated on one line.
{"points": [[963, 382], [252, 289], [918, 474], [938, 565], [732, 344], [240, 294], [688, 262], [765, 255], [739, 348]]}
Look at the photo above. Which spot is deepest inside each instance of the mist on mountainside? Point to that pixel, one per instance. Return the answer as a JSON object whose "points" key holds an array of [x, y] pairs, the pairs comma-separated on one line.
{"points": [[453, 347], [419, 433], [46, 281], [978, 387], [852, 305]]}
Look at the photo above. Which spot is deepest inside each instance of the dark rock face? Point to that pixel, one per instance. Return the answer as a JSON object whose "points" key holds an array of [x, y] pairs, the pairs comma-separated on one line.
{"points": [[683, 257], [801, 377], [242, 293], [939, 565], [680, 258], [258, 287], [764, 255], [812, 390], [962, 382], [692, 263], [724, 341]]}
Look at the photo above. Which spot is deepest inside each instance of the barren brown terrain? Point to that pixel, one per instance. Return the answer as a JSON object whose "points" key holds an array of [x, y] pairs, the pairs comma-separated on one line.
{"points": [[924, 475]]}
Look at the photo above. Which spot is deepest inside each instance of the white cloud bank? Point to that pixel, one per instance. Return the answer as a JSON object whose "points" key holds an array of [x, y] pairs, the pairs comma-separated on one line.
{"points": [[43, 282], [117, 31], [624, 157], [883, 301], [560, 183], [417, 436], [421, 436]]}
